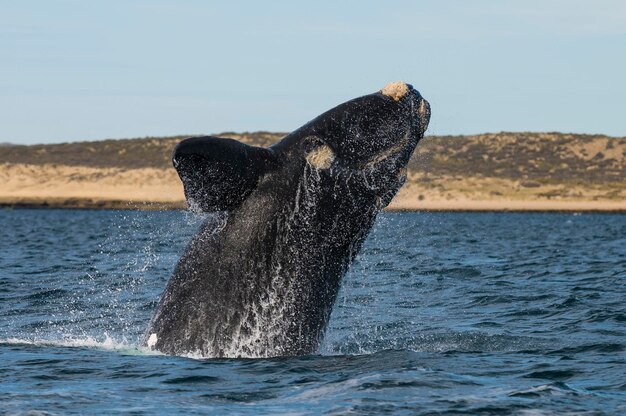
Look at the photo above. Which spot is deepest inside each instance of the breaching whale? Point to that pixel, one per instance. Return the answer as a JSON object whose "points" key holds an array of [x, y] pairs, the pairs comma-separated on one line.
{"points": [[260, 277]]}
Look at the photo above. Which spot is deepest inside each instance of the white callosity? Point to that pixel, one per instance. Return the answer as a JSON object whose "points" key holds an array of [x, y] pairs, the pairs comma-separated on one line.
{"points": [[321, 157], [395, 90]]}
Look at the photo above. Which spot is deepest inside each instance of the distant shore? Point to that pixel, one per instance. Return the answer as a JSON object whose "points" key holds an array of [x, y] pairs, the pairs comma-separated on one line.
{"points": [[79, 187], [537, 172]]}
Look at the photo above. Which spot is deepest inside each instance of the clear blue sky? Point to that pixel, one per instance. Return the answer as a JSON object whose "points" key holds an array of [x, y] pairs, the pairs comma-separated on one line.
{"points": [[84, 70]]}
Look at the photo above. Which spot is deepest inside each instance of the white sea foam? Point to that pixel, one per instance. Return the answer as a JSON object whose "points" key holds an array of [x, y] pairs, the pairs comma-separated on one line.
{"points": [[105, 343]]}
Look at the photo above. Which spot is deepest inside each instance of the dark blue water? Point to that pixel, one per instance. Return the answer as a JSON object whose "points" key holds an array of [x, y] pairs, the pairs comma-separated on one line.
{"points": [[441, 314]]}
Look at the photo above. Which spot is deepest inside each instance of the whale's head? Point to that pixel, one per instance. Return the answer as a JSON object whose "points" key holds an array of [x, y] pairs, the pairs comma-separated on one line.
{"points": [[370, 138], [367, 130], [362, 145]]}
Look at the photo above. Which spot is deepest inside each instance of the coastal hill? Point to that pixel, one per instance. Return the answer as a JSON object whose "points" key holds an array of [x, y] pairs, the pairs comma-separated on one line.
{"points": [[516, 171]]}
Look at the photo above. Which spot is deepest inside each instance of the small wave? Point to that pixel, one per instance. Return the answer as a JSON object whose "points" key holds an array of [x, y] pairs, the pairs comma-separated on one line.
{"points": [[194, 379], [587, 348], [556, 375], [107, 343], [46, 294], [552, 389]]}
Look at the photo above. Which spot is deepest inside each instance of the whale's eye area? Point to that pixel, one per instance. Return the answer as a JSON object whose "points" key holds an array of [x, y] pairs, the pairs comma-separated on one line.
{"points": [[318, 153]]}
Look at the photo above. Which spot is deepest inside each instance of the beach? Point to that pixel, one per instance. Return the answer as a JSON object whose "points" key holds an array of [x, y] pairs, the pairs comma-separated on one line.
{"points": [[60, 186]]}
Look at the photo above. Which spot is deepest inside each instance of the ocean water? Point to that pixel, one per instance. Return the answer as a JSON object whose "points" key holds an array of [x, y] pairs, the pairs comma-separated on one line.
{"points": [[442, 313]]}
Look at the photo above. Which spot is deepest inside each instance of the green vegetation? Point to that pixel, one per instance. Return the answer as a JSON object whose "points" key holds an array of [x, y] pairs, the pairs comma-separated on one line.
{"points": [[147, 152], [534, 159]]}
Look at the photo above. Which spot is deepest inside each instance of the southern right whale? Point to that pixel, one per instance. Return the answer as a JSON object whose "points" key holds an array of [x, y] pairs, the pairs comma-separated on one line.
{"points": [[260, 277]]}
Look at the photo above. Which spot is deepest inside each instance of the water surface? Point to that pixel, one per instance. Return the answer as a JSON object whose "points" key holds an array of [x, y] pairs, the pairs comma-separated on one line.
{"points": [[442, 313]]}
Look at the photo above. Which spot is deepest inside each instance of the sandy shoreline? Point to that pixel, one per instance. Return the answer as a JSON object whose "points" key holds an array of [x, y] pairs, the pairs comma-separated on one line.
{"points": [[80, 187], [399, 206], [508, 206]]}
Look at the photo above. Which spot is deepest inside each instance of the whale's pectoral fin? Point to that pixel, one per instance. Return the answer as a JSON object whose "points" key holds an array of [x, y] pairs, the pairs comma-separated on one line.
{"points": [[217, 173]]}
